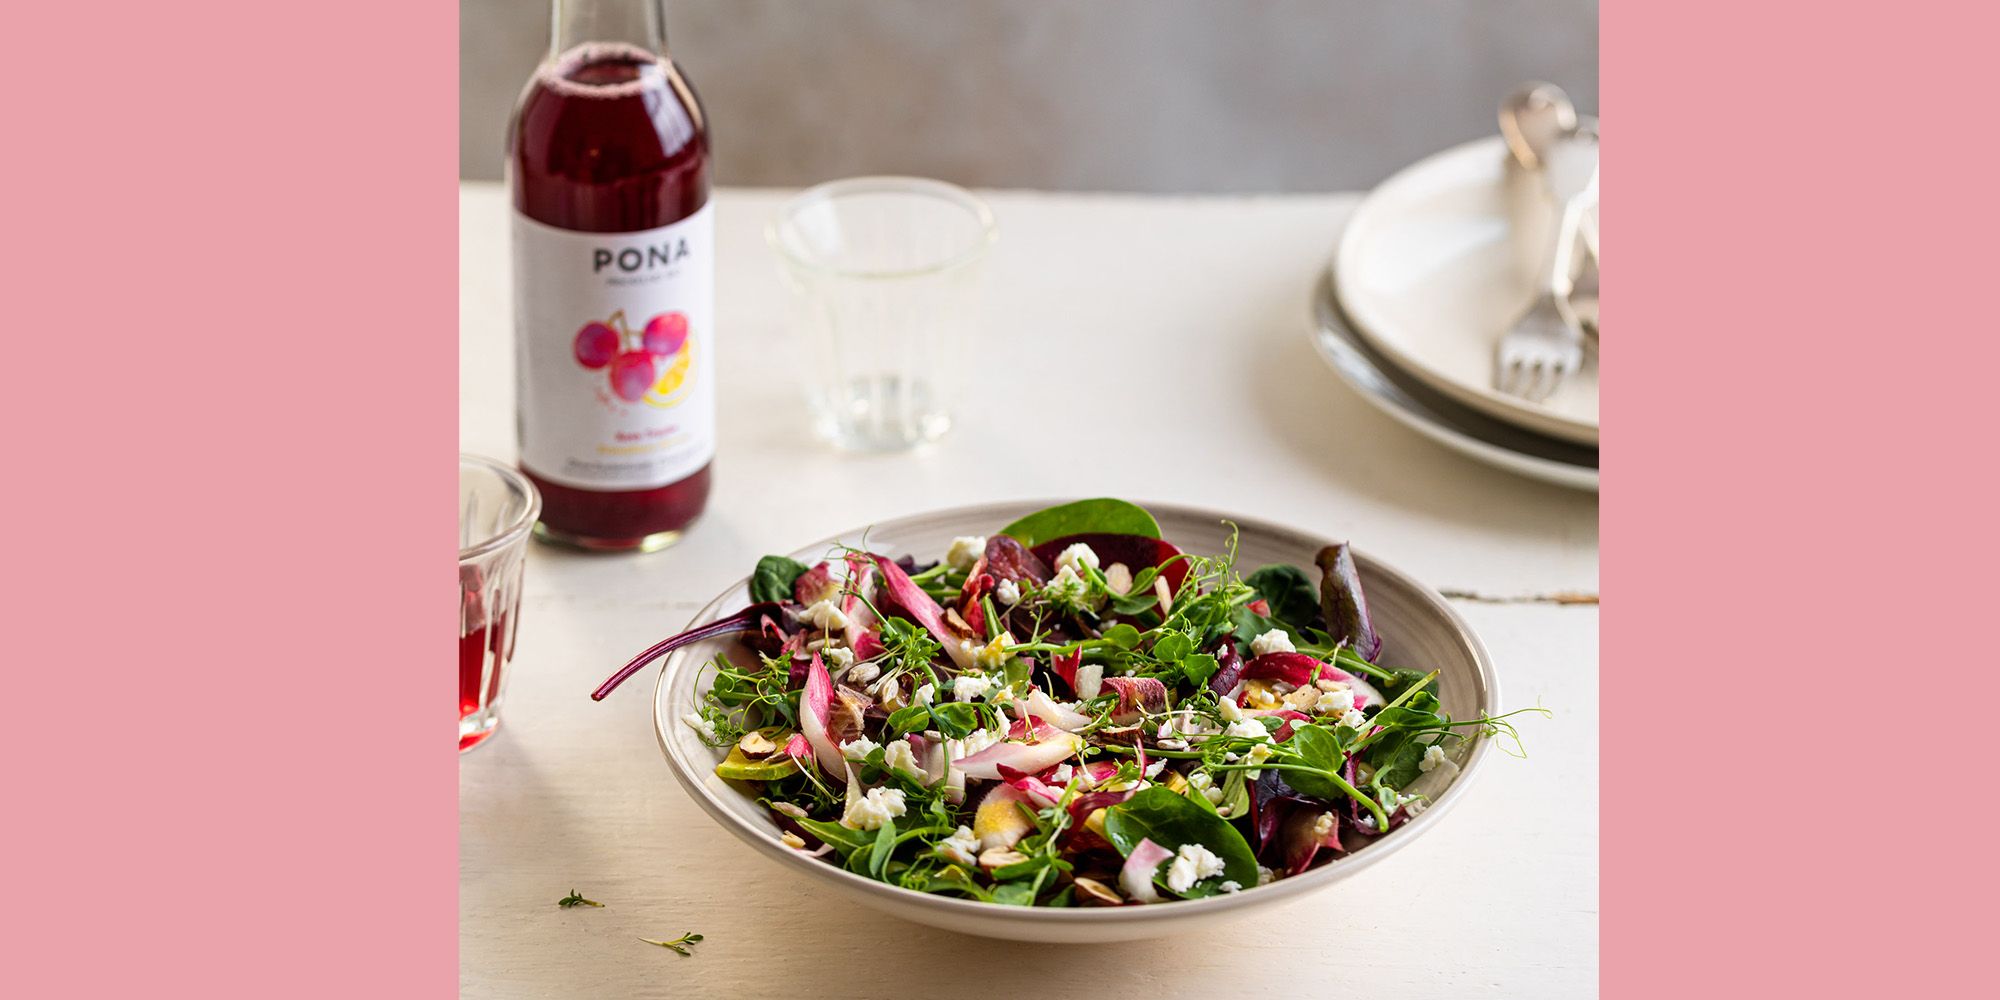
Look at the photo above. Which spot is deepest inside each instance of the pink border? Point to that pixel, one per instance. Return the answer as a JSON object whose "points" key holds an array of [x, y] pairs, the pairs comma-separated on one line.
{"points": [[1799, 500], [231, 272]]}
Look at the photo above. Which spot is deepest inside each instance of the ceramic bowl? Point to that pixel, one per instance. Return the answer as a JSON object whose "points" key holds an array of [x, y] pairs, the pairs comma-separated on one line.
{"points": [[1419, 630]]}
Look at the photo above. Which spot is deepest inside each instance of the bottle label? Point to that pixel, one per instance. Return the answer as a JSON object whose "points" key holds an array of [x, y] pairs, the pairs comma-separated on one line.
{"points": [[615, 348]]}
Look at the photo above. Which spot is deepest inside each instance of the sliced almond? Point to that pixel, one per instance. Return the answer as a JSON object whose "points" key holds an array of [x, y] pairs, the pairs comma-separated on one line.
{"points": [[1119, 579], [1091, 892], [1000, 857], [1166, 595], [792, 840]]}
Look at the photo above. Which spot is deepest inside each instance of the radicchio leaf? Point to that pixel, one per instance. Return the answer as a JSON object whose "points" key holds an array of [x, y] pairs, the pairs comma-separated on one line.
{"points": [[750, 619], [1343, 603], [1137, 696], [899, 591], [815, 707], [1229, 667], [1136, 878]]}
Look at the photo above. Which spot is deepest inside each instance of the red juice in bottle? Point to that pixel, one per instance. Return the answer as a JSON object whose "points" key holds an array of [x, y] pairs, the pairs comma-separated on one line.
{"points": [[614, 282]]}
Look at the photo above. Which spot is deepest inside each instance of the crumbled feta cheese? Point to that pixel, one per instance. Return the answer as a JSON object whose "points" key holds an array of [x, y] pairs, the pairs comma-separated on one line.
{"points": [[1066, 586], [824, 614], [1354, 719], [962, 846], [1266, 876], [1249, 729], [1213, 794], [899, 757], [977, 740], [863, 673], [1090, 680], [1323, 825], [858, 748], [1192, 864], [1229, 887], [1229, 710], [1172, 744], [1076, 557], [969, 687], [838, 657], [925, 694], [1153, 770], [1008, 593], [1274, 641], [993, 655], [871, 811], [1433, 756], [700, 725], [1063, 774], [1334, 702], [965, 550], [1166, 729]]}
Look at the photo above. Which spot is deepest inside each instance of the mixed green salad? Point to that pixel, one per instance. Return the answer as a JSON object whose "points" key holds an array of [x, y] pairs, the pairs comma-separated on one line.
{"points": [[1071, 711]]}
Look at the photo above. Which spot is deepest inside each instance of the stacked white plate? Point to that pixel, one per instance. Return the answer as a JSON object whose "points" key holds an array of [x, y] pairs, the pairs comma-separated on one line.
{"points": [[1422, 286]]}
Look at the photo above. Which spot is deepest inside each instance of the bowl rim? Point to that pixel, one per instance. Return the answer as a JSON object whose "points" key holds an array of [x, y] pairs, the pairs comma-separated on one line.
{"points": [[956, 907]]}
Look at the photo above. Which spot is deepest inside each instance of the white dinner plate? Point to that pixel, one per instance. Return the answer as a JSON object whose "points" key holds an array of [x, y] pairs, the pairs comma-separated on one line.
{"points": [[1436, 416], [1426, 273]]}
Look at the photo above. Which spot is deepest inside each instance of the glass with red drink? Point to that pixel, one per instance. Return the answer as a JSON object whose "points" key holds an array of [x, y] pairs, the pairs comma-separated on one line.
{"points": [[496, 508]]}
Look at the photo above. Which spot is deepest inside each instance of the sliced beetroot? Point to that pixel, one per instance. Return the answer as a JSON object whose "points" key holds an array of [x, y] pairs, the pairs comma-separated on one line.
{"points": [[969, 606], [815, 585], [750, 619], [1343, 603], [899, 592], [1136, 551], [1137, 696], [1064, 665], [868, 645], [1007, 559], [1229, 667]]}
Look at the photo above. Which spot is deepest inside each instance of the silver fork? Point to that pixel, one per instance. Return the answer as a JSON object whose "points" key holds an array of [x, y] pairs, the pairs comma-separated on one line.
{"points": [[1545, 346]]}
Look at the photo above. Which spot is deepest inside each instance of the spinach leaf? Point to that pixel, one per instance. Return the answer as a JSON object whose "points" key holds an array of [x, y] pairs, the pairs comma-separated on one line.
{"points": [[839, 836], [909, 719], [1104, 514], [1290, 593], [1022, 893], [1171, 821], [1199, 668], [1397, 760], [885, 847], [774, 578], [1122, 635], [956, 719], [1315, 746]]}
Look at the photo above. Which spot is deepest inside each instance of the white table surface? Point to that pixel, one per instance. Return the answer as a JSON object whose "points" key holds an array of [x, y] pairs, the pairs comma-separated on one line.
{"points": [[1189, 313]]}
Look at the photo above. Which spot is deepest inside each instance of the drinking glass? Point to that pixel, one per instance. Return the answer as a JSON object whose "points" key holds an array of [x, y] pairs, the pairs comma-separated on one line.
{"points": [[497, 507], [886, 275]]}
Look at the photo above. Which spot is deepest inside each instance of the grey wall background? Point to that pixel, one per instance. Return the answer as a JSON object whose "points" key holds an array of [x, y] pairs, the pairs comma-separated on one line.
{"points": [[1107, 95]]}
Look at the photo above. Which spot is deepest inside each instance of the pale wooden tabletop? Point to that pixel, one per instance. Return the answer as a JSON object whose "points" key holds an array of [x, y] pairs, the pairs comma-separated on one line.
{"points": [[1186, 316]]}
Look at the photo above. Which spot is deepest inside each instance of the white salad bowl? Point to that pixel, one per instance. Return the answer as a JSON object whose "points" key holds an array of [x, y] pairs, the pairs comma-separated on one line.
{"points": [[1418, 629]]}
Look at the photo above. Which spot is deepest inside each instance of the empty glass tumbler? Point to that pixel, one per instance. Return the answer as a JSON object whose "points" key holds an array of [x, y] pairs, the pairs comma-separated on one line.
{"points": [[886, 275]]}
